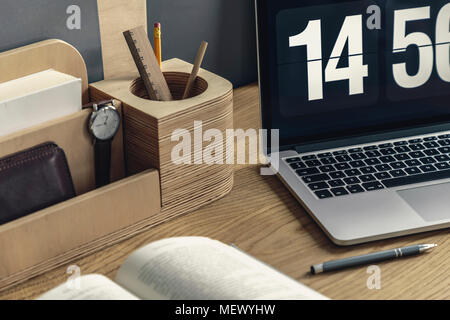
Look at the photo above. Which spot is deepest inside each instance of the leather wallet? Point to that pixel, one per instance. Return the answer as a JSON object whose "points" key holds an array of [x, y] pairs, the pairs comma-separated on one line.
{"points": [[33, 180]]}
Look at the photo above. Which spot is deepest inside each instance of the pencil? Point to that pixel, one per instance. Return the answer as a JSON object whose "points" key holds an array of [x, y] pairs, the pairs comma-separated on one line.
{"points": [[198, 62], [157, 38]]}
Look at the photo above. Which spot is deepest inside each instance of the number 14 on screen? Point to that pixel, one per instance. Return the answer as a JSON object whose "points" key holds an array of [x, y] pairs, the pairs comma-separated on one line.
{"points": [[432, 51]]}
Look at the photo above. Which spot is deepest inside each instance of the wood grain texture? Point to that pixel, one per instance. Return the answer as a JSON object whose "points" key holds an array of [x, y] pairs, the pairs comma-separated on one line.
{"points": [[40, 56], [264, 219], [144, 57], [150, 124], [71, 134], [115, 17], [39, 241]]}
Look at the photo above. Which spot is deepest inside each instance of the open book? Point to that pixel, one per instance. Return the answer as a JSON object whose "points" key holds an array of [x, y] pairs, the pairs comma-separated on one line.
{"points": [[187, 268]]}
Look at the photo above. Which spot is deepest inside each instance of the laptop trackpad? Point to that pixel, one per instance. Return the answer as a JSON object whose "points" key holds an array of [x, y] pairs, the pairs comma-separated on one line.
{"points": [[432, 203]]}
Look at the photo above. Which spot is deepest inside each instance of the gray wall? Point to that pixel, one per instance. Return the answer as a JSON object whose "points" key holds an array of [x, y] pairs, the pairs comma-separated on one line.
{"points": [[23, 22], [227, 25]]}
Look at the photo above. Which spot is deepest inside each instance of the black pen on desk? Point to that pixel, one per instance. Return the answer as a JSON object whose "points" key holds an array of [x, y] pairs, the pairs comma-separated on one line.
{"points": [[371, 258]]}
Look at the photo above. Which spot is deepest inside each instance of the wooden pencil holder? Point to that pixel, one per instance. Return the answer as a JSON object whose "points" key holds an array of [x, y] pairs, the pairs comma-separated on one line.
{"points": [[149, 126]]}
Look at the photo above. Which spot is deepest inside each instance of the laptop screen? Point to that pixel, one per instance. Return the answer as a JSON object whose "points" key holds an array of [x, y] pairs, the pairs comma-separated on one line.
{"points": [[333, 69]]}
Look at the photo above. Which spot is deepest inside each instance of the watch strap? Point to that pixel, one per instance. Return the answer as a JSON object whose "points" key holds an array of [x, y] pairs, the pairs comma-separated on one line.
{"points": [[102, 162], [100, 104]]}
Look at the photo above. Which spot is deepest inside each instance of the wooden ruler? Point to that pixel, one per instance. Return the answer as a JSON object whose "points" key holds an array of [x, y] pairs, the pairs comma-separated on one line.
{"points": [[148, 66]]}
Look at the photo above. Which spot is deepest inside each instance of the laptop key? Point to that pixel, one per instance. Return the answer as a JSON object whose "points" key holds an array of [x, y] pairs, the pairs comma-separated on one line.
{"points": [[323, 194], [336, 183], [297, 165], [385, 145], [318, 186], [352, 180], [412, 141], [326, 169], [340, 153], [383, 167], [372, 161], [307, 171], [357, 164], [427, 168], [428, 160], [417, 154], [442, 166], [343, 158], [418, 178], [367, 170], [370, 148], [383, 175], [355, 150], [339, 191], [310, 157], [402, 157], [352, 172], [373, 154], [444, 136], [444, 150], [313, 163], [398, 165], [367, 178], [430, 139], [413, 170], [413, 163], [371, 186], [431, 145], [444, 143], [400, 143], [356, 188], [358, 156], [342, 166], [326, 161], [417, 147], [442, 158], [387, 159], [402, 149], [316, 178], [387, 152], [431, 152], [337, 175], [397, 173], [324, 155], [292, 160]]}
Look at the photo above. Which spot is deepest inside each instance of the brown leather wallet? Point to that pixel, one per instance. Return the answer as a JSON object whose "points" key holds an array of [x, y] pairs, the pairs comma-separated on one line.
{"points": [[33, 180]]}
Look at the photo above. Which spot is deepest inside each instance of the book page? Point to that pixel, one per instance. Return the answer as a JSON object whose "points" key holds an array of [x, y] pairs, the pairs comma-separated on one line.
{"points": [[196, 268], [89, 287]]}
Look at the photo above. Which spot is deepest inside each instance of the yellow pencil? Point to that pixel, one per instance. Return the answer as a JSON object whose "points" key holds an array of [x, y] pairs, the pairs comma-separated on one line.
{"points": [[157, 38]]}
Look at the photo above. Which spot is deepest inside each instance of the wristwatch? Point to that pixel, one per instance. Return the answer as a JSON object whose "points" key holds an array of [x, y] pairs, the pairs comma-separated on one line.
{"points": [[103, 125]]}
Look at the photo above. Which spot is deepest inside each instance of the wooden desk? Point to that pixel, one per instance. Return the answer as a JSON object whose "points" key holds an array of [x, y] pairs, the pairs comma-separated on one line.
{"points": [[262, 218]]}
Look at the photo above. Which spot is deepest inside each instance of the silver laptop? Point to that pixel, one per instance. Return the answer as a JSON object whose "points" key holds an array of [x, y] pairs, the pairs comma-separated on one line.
{"points": [[360, 93]]}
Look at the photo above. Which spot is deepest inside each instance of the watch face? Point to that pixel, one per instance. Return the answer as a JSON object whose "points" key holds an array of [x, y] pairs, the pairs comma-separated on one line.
{"points": [[105, 123]]}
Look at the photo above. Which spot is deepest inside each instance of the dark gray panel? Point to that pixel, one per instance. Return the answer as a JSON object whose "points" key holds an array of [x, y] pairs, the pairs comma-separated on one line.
{"points": [[24, 22], [228, 26]]}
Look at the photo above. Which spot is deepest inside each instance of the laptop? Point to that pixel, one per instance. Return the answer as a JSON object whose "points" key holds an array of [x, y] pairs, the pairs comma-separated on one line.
{"points": [[360, 93]]}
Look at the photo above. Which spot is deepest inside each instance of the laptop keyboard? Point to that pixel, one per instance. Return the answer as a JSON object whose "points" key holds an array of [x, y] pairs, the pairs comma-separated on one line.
{"points": [[375, 167]]}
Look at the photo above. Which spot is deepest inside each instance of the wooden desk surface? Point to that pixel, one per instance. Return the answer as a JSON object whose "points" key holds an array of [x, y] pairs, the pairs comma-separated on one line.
{"points": [[262, 218]]}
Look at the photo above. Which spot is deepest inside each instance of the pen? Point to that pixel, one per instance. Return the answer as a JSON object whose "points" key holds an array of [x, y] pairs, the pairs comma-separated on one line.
{"points": [[157, 41], [371, 258]]}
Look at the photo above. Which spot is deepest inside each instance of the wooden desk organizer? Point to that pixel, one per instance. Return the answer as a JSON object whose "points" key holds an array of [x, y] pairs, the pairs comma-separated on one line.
{"points": [[149, 126], [96, 218]]}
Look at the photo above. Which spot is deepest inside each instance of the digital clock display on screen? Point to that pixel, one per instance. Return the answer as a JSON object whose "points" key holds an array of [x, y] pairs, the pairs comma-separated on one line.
{"points": [[345, 67]]}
